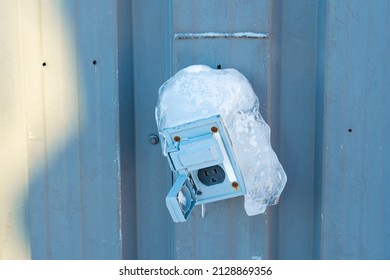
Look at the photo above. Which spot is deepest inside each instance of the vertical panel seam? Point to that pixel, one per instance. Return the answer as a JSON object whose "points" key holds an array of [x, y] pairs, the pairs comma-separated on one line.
{"points": [[81, 185], [322, 11], [45, 166], [170, 62]]}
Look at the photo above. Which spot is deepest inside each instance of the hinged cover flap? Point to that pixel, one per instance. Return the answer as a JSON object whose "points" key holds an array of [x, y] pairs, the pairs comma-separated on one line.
{"points": [[181, 199]]}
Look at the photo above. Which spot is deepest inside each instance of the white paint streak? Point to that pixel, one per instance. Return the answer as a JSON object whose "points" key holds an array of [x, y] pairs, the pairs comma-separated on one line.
{"points": [[226, 35], [203, 210]]}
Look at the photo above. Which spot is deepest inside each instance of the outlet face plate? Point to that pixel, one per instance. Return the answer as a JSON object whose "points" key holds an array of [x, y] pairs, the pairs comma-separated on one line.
{"points": [[211, 175]]}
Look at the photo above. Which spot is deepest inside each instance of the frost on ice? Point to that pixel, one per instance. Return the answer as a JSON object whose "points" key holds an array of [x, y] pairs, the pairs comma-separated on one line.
{"points": [[198, 92]]}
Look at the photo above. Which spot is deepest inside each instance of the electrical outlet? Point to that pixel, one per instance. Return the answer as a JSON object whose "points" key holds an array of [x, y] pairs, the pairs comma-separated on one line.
{"points": [[200, 154], [211, 175]]}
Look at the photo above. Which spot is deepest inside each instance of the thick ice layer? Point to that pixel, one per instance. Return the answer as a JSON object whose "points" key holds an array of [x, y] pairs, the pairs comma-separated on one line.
{"points": [[198, 92]]}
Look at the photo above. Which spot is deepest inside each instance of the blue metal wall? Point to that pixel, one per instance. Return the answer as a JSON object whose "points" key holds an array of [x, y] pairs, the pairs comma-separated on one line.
{"points": [[353, 159], [70, 64], [322, 77]]}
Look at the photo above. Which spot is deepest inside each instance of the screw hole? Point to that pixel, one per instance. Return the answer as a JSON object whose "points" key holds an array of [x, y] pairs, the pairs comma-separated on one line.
{"points": [[219, 66], [44, 64], [350, 130], [94, 62]]}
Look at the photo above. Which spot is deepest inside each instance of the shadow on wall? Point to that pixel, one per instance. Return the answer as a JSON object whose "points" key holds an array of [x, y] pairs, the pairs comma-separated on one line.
{"points": [[68, 132]]}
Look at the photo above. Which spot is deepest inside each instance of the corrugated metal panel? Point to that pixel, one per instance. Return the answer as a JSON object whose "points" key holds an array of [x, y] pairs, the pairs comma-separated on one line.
{"points": [[335, 93], [356, 122], [225, 226], [322, 78], [296, 74], [74, 194], [69, 89]]}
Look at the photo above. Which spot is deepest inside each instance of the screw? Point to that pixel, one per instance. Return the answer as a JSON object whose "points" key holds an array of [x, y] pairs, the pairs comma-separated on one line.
{"points": [[214, 129], [199, 193], [153, 139], [235, 185], [176, 138]]}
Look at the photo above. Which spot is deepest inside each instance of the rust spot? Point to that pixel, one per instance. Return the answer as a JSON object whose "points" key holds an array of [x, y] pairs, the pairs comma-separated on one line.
{"points": [[214, 129], [176, 138], [235, 185]]}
